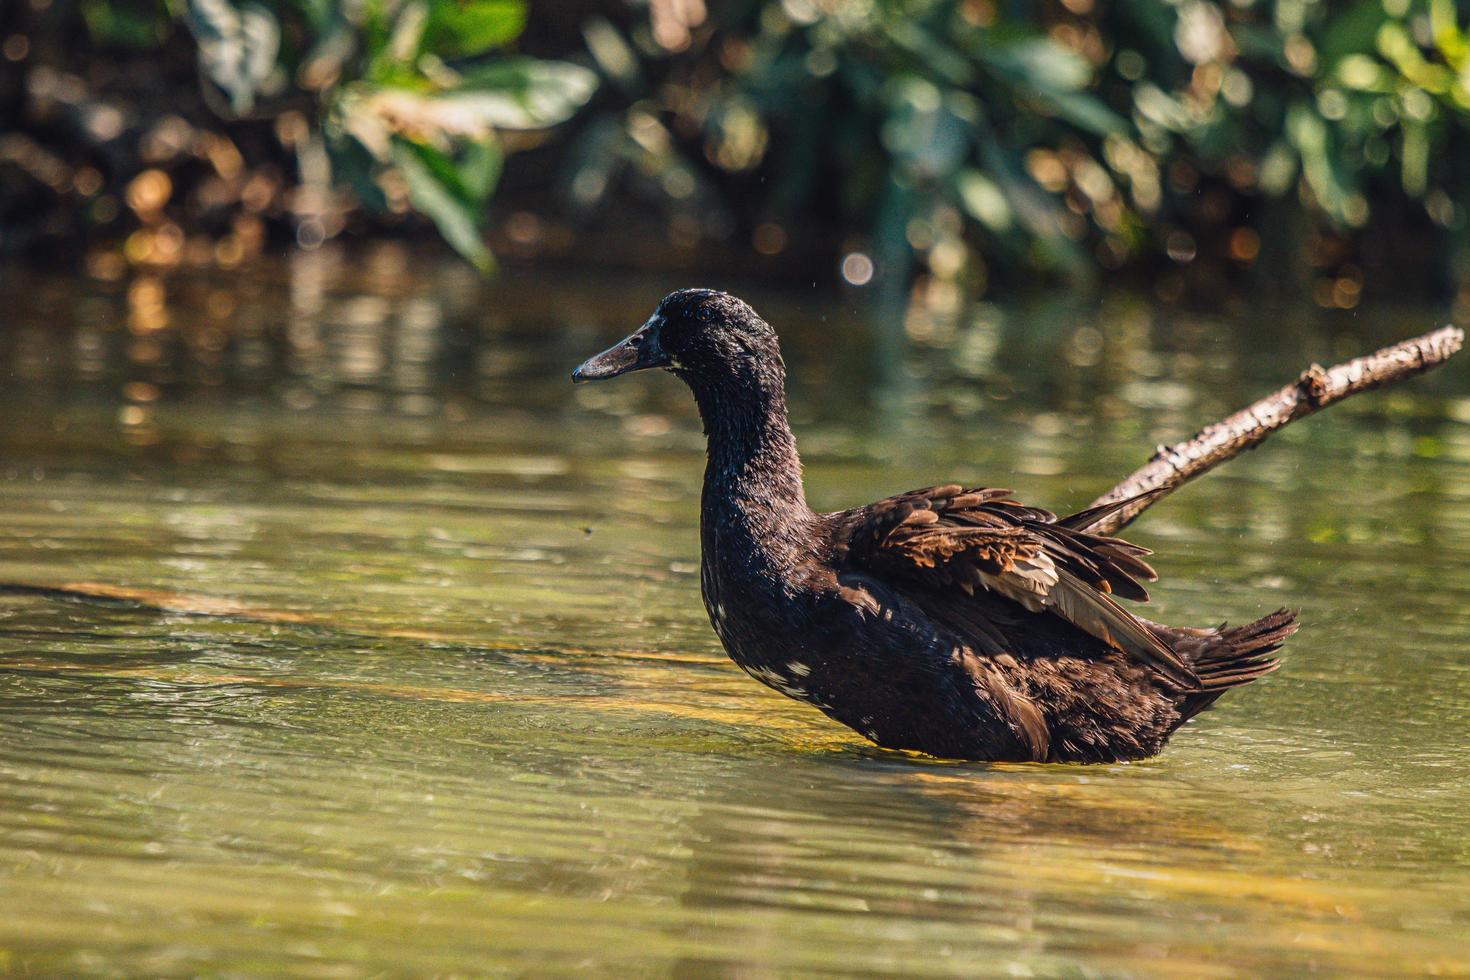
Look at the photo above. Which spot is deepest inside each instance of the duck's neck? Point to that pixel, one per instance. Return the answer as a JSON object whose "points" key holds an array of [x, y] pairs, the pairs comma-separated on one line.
{"points": [[752, 481]]}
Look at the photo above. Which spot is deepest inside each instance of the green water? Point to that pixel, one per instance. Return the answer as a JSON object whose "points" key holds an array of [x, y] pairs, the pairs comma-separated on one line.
{"points": [[466, 714]]}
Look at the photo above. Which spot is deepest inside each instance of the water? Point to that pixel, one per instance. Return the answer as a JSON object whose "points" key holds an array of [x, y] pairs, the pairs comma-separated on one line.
{"points": [[459, 709]]}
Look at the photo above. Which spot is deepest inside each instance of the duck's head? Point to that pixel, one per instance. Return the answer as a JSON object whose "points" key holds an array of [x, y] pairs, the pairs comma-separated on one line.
{"points": [[702, 335]]}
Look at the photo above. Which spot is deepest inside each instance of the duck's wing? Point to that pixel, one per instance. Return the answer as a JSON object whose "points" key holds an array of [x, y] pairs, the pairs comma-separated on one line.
{"points": [[955, 541]]}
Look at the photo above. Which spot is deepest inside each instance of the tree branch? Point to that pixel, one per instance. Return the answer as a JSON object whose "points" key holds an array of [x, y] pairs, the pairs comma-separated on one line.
{"points": [[1173, 466]]}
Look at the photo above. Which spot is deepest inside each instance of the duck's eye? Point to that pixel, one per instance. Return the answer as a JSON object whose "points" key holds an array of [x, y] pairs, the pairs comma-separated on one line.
{"points": [[704, 314]]}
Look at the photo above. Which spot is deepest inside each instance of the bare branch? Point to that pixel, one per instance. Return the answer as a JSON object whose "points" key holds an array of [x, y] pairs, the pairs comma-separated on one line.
{"points": [[1173, 466]]}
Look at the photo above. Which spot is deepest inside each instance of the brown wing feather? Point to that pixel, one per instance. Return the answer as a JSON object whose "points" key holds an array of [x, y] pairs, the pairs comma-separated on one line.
{"points": [[953, 539]]}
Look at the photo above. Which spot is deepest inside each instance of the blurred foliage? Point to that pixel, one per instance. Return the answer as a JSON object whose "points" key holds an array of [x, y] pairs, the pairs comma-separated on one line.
{"points": [[1077, 136], [407, 104], [967, 140]]}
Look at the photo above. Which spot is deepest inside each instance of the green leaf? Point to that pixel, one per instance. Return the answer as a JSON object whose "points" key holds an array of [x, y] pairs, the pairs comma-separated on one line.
{"points": [[322, 15], [471, 176], [1444, 24], [1087, 112], [937, 57], [1415, 153], [434, 194], [408, 33], [479, 169], [984, 201], [463, 28], [525, 93], [1278, 169], [113, 23], [1361, 73], [612, 52], [1322, 167], [1040, 63], [1351, 32], [237, 47], [353, 164], [1160, 108], [439, 165]]}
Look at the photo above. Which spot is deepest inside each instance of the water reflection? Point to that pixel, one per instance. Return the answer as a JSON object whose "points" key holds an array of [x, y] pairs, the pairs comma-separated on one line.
{"points": [[456, 706], [414, 333]]}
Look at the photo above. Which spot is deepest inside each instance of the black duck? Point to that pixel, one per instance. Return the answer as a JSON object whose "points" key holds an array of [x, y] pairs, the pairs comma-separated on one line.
{"points": [[950, 621]]}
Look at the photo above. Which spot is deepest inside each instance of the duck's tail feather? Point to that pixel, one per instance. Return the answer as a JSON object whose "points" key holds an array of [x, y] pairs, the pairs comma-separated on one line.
{"points": [[1224, 658]]}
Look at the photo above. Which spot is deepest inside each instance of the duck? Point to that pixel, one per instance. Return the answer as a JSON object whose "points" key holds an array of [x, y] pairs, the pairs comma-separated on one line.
{"points": [[949, 621]]}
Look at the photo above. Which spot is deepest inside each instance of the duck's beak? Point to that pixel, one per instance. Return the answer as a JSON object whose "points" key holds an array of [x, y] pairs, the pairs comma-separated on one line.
{"points": [[636, 353]]}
